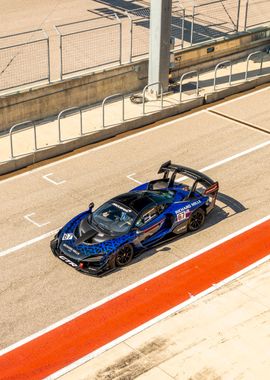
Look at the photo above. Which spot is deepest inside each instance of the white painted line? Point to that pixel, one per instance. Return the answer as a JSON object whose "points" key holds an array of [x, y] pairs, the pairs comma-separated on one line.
{"points": [[46, 177], [237, 155], [155, 320], [120, 140], [27, 243], [132, 286], [239, 98], [250, 150], [133, 179], [27, 217], [231, 158], [126, 138]]}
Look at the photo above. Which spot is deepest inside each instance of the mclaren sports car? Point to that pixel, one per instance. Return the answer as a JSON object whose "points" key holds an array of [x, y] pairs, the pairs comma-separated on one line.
{"points": [[98, 241]]}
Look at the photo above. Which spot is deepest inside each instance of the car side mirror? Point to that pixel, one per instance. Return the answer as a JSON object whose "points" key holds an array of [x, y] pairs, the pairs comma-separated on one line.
{"points": [[91, 206]]}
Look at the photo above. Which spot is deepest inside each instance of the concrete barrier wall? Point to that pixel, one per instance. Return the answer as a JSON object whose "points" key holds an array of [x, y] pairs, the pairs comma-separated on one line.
{"points": [[68, 146], [49, 100]]}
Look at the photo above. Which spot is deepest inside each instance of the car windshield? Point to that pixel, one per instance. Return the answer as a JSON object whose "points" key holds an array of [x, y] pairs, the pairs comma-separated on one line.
{"points": [[114, 218], [161, 196]]}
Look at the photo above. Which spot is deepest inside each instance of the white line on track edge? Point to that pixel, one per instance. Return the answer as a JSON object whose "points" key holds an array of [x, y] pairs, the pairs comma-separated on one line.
{"points": [[239, 98], [126, 138], [153, 321], [211, 166], [27, 243], [132, 286]]}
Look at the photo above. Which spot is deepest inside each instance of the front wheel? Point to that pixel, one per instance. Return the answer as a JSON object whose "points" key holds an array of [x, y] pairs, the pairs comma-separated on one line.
{"points": [[124, 255], [196, 220]]}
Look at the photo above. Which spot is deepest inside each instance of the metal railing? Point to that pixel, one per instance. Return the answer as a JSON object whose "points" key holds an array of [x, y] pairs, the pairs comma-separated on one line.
{"points": [[248, 59], [219, 66], [144, 91], [256, 13], [60, 140], [181, 83], [11, 136], [122, 96], [103, 106]]}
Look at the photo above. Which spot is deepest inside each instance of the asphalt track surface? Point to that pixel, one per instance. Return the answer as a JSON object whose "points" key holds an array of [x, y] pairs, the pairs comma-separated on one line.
{"points": [[37, 290], [198, 275]]}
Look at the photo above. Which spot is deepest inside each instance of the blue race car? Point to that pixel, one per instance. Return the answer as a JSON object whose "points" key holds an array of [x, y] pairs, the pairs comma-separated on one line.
{"points": [[98, 241]]}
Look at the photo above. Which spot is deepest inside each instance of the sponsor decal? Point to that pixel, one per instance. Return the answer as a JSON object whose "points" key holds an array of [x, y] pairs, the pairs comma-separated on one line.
{"points": [[67, 236], [122, 208], [69, 262], [187, 207], [70, 249]]}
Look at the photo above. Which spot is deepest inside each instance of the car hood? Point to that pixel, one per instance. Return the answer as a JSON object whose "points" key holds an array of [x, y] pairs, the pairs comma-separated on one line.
{"points": [[80, 239]]}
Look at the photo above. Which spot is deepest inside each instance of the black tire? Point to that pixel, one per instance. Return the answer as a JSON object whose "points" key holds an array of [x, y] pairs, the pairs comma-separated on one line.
{"points": [[124, 255], [196, 220]]}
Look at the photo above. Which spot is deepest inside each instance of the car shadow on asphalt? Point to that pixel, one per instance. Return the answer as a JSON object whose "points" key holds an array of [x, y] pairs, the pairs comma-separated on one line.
{"points": [[230, 207]]}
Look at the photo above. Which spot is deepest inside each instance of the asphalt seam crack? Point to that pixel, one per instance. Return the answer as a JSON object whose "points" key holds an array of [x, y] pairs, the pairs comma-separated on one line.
{"points": [[239, 121]]}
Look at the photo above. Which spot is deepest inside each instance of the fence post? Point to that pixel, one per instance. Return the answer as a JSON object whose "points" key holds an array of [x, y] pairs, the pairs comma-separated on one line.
{"points": [[103, 107], [130, 36], [238, 15], [59, 119], [192, 25], [11, 131], [246, 15], [181, 82], [216, 69], [183, 27], [248, 59]]}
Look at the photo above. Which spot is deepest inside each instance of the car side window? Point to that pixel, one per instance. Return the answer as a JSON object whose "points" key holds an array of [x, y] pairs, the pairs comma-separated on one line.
{"points": [[147, 216]]}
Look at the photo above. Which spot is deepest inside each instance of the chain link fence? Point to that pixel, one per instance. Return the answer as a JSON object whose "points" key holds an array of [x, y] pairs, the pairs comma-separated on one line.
{"points": [[24, 59], [89, 44], [120, 34], [257, 12]]}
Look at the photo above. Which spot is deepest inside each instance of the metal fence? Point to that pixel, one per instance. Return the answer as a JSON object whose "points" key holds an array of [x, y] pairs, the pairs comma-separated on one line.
{"points": [[92, 44], [257, 12], [24, 59], [89, 44], [187, 77]]}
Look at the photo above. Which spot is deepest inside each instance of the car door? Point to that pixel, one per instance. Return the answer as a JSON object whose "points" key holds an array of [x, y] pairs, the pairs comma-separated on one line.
{"points": [[149, 223]]}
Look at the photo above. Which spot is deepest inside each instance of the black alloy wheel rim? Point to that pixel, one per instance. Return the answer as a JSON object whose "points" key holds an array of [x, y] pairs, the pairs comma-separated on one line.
{"points": [[124, 255], [196, 220]]}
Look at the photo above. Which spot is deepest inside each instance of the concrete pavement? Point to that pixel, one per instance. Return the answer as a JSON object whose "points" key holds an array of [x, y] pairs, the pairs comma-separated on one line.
{"points": [[38, 290], [222, 336]]}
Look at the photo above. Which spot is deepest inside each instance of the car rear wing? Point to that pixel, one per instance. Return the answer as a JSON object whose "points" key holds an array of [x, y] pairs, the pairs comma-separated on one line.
{"points": [[211, 186]]}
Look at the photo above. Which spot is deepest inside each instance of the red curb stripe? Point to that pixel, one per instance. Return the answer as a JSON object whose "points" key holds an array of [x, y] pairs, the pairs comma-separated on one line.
{"points": [[73, 340]]}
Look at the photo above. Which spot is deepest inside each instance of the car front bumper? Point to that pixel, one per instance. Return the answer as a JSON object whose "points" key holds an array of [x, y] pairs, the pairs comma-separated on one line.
{"points": [[95, 269]]}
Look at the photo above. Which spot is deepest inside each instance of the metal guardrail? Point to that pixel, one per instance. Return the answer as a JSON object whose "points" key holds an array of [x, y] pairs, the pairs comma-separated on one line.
{"points": [[248, 59], [11, 134], [181, 83], [59, 122], [144, 91], [216, 69], [103, 107], [60, 140]]}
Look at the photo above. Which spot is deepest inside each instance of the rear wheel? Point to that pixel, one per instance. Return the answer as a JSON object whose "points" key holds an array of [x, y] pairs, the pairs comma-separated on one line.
{"points": [[124, 255], [196, 220]]}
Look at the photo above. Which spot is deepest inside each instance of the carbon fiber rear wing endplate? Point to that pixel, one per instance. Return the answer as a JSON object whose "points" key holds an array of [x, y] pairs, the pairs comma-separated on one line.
{"points": [[167, 168]]}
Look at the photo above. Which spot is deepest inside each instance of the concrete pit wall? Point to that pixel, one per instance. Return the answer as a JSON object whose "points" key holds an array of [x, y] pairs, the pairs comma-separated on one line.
{"points": [[48, 100]]}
